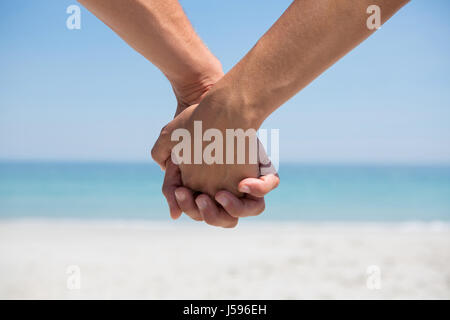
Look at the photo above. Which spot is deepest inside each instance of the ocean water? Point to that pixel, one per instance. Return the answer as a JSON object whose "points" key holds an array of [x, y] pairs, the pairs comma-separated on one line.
{"points": [[306, 193]]}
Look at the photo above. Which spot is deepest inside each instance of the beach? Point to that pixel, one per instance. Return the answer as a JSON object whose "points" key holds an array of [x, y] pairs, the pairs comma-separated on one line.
{"points": [[260, 260]]}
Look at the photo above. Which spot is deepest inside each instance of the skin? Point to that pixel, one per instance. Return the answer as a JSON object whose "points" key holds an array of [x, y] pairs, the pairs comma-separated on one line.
{"points": [[307, 39], [161, 32]]}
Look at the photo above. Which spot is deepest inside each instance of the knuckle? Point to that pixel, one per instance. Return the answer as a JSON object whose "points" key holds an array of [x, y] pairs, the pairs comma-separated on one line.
{"points": [[261, 208], [164, 131], [154, 153], [231, 224], [165, 190], [211, 220]]}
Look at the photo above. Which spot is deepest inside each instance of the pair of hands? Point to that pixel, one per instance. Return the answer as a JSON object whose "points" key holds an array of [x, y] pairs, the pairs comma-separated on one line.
{"points": [[218, 194]]}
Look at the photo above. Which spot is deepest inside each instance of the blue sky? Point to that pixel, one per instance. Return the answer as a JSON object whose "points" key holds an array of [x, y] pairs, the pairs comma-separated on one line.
{"points": [[85, 95]]}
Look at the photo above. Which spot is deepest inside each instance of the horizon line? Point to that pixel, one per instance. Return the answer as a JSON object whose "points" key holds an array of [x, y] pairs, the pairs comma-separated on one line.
{"points": [[289, 162]]}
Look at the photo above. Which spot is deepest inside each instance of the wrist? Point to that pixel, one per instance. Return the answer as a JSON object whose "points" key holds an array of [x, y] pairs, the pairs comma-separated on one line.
{"points": [[192, 87], [232, 102]]}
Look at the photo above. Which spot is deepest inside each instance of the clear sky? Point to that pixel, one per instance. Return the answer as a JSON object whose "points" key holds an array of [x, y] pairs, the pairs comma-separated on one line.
{"points": [[85, 95]]}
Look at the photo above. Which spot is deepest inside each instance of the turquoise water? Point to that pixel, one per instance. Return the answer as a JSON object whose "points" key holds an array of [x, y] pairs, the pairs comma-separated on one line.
{"points": [[309, 193]]}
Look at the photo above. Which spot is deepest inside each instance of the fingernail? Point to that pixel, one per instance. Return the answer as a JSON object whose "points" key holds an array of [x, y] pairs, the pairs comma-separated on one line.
{"points": [[201, 203], [244, 189], [222, 199], [179, 195]]}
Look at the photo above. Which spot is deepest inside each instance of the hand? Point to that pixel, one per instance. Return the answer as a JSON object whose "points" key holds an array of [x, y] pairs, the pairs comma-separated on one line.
{"points": [[204, 177], [203, 208], [181, 199]]}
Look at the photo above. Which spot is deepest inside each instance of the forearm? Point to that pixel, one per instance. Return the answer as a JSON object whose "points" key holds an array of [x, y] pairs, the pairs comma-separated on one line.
{"points": [[307, 39], [161, 32]]}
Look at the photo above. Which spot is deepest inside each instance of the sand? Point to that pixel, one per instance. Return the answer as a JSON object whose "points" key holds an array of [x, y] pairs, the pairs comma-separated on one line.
{"points": [[178, 260]]}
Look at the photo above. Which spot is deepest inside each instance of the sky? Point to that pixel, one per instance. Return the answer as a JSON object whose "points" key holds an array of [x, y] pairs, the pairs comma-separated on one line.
{"points": [[84, 95]]}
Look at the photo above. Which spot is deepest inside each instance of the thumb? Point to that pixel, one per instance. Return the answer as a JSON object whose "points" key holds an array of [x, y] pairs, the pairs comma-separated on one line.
{"points": [[162, 147]]}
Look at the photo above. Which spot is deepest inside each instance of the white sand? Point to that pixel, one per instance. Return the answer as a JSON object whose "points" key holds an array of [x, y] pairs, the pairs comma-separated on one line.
{"points": [[149, 260]]}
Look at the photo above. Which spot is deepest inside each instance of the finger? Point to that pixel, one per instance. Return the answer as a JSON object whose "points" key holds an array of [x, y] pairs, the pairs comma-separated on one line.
{"points": [[172, 180], [259, 187], [212, 214], [240, 207], [162, 148], [186, 202]]}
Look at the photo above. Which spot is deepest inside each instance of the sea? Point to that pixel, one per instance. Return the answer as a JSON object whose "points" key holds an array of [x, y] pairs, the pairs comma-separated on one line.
{"points": [[392, 193]]}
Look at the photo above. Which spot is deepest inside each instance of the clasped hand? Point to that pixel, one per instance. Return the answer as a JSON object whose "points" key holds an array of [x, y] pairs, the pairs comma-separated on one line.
{"points": [[217, 193]]}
